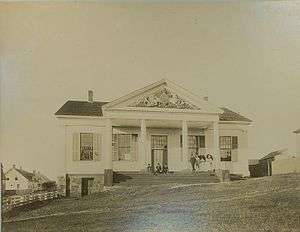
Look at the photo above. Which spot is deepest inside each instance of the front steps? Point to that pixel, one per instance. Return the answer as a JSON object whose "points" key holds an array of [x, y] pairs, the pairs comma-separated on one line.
{"points": [[139, 178]]}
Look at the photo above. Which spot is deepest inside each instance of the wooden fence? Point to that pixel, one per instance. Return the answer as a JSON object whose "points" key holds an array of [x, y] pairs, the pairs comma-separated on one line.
{"points": [[20, 200]]}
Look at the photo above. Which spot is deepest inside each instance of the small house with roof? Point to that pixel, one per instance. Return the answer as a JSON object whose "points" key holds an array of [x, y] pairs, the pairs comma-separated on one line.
{"points": [[20, 181], [160, 123]]}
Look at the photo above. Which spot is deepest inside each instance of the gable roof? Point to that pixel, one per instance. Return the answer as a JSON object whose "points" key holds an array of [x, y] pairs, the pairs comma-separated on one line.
{"points": [[230, 115], [94, 109], [273, 154], [81, 108], [28, 175]]}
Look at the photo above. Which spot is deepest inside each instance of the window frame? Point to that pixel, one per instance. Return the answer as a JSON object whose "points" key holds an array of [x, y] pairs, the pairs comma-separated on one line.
{"points": [[198, 141], [80, 146], [133, 137], [227, 147], [123, 147]]}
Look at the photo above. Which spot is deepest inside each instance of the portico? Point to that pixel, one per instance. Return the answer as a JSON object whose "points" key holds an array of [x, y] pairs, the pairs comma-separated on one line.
{"points": [[177, 133]]}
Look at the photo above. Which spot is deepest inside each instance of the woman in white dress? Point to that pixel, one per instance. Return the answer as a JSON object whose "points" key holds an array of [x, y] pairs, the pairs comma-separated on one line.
{"points": [[209, 162]]}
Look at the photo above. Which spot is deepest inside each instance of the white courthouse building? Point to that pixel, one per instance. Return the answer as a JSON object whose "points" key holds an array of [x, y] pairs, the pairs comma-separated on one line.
{"points": [[162, 122]]}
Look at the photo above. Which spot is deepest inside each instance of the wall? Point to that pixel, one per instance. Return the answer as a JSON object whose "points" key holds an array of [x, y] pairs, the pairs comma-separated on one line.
{"points": [[85, 167], [11, 184], [286, 165], [241, 165], [175, 159], [75, 184]]}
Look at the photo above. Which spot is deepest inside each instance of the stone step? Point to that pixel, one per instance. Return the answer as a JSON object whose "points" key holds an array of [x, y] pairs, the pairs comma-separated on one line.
{"points": [[196, 174], [167, 179], [171, 180], [135, 179], [137, 183]]}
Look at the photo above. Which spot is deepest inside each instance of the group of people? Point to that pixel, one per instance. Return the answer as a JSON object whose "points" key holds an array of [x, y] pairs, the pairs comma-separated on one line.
{"points": [[158, 169], [198, 162], [202, 162]]}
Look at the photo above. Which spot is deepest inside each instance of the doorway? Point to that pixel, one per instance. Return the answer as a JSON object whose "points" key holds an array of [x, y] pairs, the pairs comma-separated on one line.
{"points": [[86, 185], [159, 150]]}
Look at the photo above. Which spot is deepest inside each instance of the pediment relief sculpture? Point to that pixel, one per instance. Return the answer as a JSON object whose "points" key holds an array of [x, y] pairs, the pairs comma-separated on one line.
{"points": [[164, 99]]}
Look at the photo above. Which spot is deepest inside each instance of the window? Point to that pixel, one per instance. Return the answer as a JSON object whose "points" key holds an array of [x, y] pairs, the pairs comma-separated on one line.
{"points": [[7, 178], [227, 145], [159, 141], [16, 178], [86, 146], [125, 146], [195, 142]]}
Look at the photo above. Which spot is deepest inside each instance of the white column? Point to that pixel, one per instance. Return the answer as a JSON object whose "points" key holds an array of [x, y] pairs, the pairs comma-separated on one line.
{"points": [[216, 147], [143, 150], [108, 171], [108, 145], [185, 152]]}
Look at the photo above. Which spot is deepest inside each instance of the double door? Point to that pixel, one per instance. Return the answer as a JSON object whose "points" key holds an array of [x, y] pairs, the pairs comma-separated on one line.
{"points": [[159, 150]]}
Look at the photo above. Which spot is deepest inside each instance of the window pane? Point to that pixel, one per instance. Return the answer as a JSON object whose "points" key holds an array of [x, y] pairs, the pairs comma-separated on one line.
{"points": [[86, 146], [124, 141], [192, 141], [202, 141], [225, 142], [225, 154], [159, 142]]}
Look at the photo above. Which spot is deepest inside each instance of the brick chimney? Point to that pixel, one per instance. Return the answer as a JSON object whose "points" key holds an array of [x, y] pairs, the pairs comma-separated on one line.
{"points": [[90, 96]]}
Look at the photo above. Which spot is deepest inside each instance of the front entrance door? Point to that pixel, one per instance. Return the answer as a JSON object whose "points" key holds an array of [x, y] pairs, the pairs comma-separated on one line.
{"points": [[159, 150], [86, 184]]}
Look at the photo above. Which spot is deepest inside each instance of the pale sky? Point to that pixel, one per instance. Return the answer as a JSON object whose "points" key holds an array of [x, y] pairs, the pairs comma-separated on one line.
{"points": [[245, 56]]}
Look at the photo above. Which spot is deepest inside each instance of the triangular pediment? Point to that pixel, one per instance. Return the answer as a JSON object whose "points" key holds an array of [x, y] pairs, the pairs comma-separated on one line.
{"points": [[162, 96]]}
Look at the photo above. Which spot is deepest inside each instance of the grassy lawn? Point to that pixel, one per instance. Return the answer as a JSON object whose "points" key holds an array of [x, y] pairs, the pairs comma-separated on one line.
{"points": [[264, 204]]}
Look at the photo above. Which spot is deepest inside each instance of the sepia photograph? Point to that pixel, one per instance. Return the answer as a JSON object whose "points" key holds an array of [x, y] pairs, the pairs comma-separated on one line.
{"points": [[150, 116]]}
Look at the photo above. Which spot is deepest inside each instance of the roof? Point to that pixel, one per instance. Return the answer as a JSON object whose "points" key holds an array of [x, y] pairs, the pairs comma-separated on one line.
{"points": [[253, 161], [85, 108], [28, 175], [42, 178], [272, 154], [81, 108], [230, 115], [297, 131]]}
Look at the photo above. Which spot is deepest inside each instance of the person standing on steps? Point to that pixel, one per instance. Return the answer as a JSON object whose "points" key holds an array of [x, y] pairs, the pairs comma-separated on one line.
{"points": [[209, 160], [193, 161]]}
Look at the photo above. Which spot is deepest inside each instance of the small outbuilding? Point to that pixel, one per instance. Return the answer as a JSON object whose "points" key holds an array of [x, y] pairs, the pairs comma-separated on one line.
{"points": [[20, 181], [276, 162]]}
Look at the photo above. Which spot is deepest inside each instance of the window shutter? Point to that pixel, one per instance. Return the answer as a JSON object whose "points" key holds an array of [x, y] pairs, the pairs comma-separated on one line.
{"points": [[97, 141], [133, 147], [76, 146], [115, 147], [234, 142], [180, 140]]}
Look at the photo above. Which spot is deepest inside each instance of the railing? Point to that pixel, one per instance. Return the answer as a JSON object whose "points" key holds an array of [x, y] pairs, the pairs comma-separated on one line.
{"points": [[19, 200]]}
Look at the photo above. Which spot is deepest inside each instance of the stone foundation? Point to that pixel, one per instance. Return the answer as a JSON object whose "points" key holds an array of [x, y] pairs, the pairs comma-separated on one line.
{"points": [[95, 185], [223, 175], [61, 185]]}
